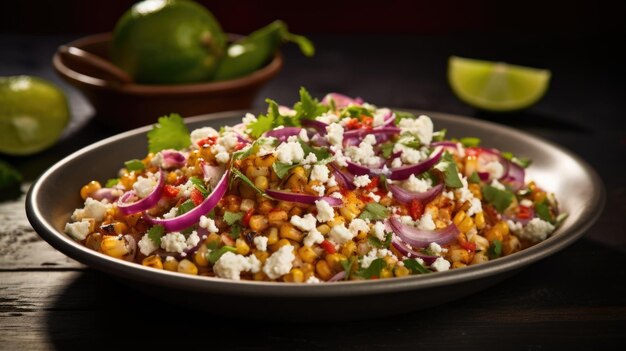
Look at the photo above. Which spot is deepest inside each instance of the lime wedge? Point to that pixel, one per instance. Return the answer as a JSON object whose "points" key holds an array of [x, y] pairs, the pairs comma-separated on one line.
{"points": [[496, 86], [33, 114]]}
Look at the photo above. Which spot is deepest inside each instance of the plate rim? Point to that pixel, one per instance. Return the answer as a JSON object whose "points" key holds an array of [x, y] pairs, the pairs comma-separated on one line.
{"points": [[211, 285]]}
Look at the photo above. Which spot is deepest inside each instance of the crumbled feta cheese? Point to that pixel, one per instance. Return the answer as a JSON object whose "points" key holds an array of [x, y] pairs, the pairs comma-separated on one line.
{"points": [[310, 159], [173, 242], [331, 181], [303, 135], [184, 190], [146, 245], [515, 227], [526, 203], [422, 127], [320, 173], [361, 181], [340, 158], [464, 193], [379, 230], [417, 185], [260, 242], [440, 264], [448, 194], [379, 116], [334, 134], [201, 133], [248, 119], [229, 140], [426, 222], [171, 213], [367, 259], [266, 146], [496, 184], [358, 225], [460, 150], [369, 139], [373, 196], [312, 280], [436, 248], [495, 170], [340, 234], [143, 186], [78, 230], [328, 118], [93, 209], [407, 220], [363, 154], [193, 239], [321, 190], [536, 230], [475, 207], [397, 162], [305, 223], [208, 224], [325, 212], [290, 152], [408, 155], [337, 195], [230, 265], [280, 262], [313, 237]]}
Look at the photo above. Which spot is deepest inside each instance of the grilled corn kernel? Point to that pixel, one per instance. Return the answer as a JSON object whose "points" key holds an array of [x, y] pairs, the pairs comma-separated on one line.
{"points": [[265, 206], [262, 255], [170, 264], [242, 247], [93, 241], [458, 255], [114, 246], [258, 223], [280, 243], [481, 242], [323, 270], [456, 265], [348, 249], [498, 232], [334, 260], [307, 254], [89, 189], [386, 273], [401, 271], [276, 218], [511, 245], [479, 220], [264, 161], [323, 229], [349, 211], [253, 172], [480, 257], [261, 182], [475, 189], [199, 257], [287, 231], [187, 267], [153, 261], [294, 276], [307, 268], [246, 205]]}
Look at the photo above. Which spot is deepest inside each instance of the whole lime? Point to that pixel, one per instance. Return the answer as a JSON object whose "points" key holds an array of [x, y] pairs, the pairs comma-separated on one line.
{"points": [[168, 42], [33, 114]]}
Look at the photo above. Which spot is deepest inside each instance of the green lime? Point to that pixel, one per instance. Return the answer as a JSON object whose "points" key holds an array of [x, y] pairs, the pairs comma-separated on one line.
{"points": [[496, 86], [33, 114], [168, 42]]}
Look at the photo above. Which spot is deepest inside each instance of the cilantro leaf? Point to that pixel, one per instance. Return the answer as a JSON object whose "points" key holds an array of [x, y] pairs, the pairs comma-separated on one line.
{"points": [[374, 211], [169, 133], [10, 181], [214, 255], [252, 149], [400, 115], [387, 149], [319, 152], [450, 172], [474, 178], [355, 111], [185, 207], [246, 180], [282, 168], [522, 162], [373, 271], [262, 124], [440, 135], [271, 120], [155, 233], [413, 144], [235, 231], [500, 199], [134, 165], [308, 107], [374, 241], [495, 249], [543, 211], [470, 141], [347, 266], [232, 217], [415, 266], [199, 184], [112, 182]]}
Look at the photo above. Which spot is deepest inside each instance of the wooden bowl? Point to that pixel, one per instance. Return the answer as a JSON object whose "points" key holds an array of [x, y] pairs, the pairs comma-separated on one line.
{"points": [[125, 105]]}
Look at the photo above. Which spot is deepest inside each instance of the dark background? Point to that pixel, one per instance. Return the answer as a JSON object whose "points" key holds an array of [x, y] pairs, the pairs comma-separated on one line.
{"points": [[335, 17]]}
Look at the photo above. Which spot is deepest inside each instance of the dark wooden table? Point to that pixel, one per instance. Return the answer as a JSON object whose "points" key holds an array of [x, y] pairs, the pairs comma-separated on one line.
{"points": [[575, 299]]}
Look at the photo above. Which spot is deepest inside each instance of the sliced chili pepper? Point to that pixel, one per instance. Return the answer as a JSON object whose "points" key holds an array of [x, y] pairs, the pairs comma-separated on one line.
{"points": [[523, 212], [416, 210], [170, 191], [328, 246], [367, 122], [468, 245], [196, 197], [353, 123], [246, 218], [180, 180], [240, 146], [208, 141], [373, 183]]}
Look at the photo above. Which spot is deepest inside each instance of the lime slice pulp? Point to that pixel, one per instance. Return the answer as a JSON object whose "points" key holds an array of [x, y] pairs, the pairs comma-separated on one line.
{"points": [[496, 86], [33, 114]]}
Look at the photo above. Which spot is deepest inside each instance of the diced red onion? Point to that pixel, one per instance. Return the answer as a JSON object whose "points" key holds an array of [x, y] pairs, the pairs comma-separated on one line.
{"points": [[105, 193], [404, 250], [404, 172], [303, 198], [345, 179], [357, 169], [211, 174], [193, 216], [145, 203], [337, 277], [422, 238], [172, 159], [283, 134], [405, 196], [341, 100], [320, 127], [484, 176], [319, 140], [448, 145], [514, 176]]}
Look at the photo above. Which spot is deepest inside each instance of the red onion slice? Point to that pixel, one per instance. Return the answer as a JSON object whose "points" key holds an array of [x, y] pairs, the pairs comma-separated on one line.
{"points": [[192, 217], [402, 173], [320, 127], [172, 159], [283, 134], [341, 100], [345, 179], [337, 277], [143, 204], [389, 119], [357, 169], [405, 196], [422, 238], [382, 134], [319, 140], [514, 176], [303, 198], [106, 193], [404, 250]]}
